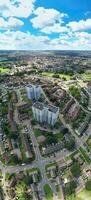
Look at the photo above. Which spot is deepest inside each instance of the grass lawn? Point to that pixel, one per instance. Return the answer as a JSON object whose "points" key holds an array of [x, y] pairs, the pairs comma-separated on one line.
{"points": [[38, 132], [83, 195], [32, 170], [59, 136], [86, 76], [50, 74], [4, 70], [48, 192], [85, 156], [51, 165]]}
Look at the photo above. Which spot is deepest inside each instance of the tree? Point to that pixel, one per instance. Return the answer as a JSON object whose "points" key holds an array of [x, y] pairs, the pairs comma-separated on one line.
{"points": [[21, 191], [75, 92], [88, 185], [75, 169], [28, 180], [33, 122], [70, 188], [64, 78], [70, 144], [51, 139]]}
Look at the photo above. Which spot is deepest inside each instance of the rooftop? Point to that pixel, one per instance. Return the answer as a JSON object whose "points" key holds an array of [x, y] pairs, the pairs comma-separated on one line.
{"points": [[52, 108], [38, 105], [31, 85], [41, 106]]}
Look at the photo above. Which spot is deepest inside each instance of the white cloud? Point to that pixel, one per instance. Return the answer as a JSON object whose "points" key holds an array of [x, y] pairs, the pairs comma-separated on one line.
{"points": [[56, 28], [27, 41], [11, 23], [83, 36], [16, 8], [22, 40], [80, 25], [48, 20]]}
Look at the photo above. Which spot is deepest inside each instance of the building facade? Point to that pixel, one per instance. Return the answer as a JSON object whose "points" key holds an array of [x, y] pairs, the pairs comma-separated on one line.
{"points": [[33, 91], [45, 114]]}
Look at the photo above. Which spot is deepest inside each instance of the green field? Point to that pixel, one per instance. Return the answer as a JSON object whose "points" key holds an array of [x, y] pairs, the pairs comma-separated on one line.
{"points": [[50, 74], [86, 76], [48, 192], [83, 195], [4, 70]]}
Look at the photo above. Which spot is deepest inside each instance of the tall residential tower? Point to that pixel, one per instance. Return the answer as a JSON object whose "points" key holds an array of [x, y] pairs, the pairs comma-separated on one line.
{"points": [[45, 114], [33, 91]]}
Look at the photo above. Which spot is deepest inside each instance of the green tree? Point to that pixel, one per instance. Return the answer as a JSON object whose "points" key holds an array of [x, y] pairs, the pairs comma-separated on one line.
{"points": [[88, 185], [75, 92], [70, 144], [70, 188], [21, 191], [75, 169]]}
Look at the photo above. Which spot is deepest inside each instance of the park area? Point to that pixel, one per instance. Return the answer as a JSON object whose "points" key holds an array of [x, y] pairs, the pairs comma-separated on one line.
{"points": [[66, 77]]}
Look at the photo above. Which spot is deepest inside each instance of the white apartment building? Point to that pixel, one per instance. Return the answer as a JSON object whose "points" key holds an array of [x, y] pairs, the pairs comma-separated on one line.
{"points": [[45, 114], [33, 91]]}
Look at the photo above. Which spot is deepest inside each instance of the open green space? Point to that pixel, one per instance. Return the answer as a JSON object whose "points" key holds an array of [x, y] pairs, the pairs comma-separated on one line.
{"points": [[59, 136], [32, 170], [75, 92], [48, 192], [61, 76], [50, 137], [4, 70], [51, 165], [86, 76], [83, 195], [38, 132]]}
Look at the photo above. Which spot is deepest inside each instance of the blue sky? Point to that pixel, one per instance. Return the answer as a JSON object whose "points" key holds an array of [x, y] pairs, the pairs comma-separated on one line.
{"points": [[45, 24]]}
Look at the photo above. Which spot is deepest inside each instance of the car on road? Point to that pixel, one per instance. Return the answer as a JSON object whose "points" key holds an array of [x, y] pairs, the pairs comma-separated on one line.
{"points": [[23, 164]]}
